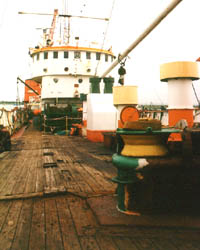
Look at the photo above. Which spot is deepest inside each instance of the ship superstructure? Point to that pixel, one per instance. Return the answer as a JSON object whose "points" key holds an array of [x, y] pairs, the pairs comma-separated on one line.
{"points": [[64, 71], [63, 66]]}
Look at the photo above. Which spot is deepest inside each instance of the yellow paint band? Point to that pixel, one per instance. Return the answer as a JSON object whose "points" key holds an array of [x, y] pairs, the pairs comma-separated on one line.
{"points": [[174, 70], [71, 48]]}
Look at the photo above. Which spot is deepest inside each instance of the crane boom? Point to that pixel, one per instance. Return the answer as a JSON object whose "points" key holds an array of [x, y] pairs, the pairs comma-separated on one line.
{"points": [[27, 85], [166, 11]]}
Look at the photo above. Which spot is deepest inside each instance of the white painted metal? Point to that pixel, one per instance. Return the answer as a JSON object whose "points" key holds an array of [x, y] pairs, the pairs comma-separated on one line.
{"points": [[58, 75], [180, 94], [101, 114]]}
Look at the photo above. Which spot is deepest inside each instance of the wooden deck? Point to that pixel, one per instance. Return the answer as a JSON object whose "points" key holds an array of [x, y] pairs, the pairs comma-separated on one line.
{"points": [[47, 183]]}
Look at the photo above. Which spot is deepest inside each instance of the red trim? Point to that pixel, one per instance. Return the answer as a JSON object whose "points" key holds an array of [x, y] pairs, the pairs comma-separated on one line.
{"points": [[96, 135]]}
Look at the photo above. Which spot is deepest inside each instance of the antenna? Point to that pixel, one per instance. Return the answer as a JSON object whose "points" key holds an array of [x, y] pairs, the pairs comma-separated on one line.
{"points": [[55, 18]]}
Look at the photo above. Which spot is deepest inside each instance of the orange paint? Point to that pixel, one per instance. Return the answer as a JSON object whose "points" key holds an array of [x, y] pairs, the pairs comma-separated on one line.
{"points": [[37, 111], [120, 124], [84, 123], [176, 115], [128, 114], [96, 135], [29, 93]]}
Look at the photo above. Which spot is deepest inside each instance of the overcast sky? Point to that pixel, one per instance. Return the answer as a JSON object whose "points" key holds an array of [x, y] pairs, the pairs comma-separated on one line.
{"points": [[176, 38]]}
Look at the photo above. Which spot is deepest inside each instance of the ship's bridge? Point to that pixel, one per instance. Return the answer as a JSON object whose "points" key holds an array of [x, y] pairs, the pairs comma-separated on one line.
{"points": [[64, 71], [69, 60]]}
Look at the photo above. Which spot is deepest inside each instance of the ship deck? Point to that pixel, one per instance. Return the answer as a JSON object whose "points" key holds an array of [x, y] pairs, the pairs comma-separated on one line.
{"points": [[56, 193]]}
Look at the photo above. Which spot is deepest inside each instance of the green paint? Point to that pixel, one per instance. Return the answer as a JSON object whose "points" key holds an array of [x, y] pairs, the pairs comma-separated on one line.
{"points": [[123, 131], [95, 85], [108, 85]]}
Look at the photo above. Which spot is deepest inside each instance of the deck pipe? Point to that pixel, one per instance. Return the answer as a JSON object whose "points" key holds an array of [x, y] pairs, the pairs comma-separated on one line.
{"points": [[179, 76]]}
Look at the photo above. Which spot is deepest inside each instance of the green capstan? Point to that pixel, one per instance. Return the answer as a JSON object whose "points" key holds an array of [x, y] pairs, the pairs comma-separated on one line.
{"points": [[126, 167]]}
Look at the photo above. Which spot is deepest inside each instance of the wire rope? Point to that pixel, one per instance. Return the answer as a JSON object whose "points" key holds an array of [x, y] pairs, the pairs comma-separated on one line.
{"points": [[105, 34], [196, 95]]}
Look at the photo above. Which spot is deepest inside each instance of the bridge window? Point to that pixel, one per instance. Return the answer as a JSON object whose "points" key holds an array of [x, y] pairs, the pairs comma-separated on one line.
{"points": [[55, 54], [77, 54], [38, 57], [106, 57], [88, 55], [66, 54], [98, 56], [45, 55]]}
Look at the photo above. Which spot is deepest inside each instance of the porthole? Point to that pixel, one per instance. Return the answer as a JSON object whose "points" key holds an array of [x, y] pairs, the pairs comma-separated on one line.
{"points": [[55, 80], [88, 70], [66, 69], [80, 80], [45, 70]]}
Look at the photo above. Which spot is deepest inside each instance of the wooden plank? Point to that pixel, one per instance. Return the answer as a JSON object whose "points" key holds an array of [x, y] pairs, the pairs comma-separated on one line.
{"points": [[98, 177], [38, 231], [106, 242], [87, 177], [47, 152], [31, 178], [83, 217], [20, 196], [59, 178], [164, 244], [40, 179], [8, 230], [81, 181], [68, 231], [21, 181], [48, 161], [143, 243], [21, 239], [5, 171], [4, 154], [12, 178], [4, 208], [50, 180], [125, 243], [69, 177], [89, 242], [186, 244], [53, 235]]}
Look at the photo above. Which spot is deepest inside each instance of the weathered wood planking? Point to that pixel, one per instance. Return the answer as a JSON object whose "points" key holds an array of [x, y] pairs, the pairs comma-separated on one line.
{"points": [[83, 217], [125, 243], [67, 221], [21, 239], [106, 242], [9, 227], [37, 230], [53, 236], [68, 230], [89, 242]]}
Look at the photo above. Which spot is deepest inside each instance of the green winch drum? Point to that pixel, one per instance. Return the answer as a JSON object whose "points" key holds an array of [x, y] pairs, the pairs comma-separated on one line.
{"points": [[128, 163]]}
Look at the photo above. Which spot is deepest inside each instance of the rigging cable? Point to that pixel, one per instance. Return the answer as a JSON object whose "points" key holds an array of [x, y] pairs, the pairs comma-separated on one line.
{"points": [[105, 34], [196, 94]]}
